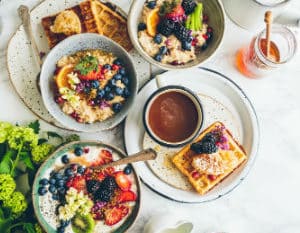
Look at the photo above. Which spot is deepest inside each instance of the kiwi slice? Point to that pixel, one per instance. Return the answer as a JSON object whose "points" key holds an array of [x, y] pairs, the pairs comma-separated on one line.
{"points": [[83, 223]]}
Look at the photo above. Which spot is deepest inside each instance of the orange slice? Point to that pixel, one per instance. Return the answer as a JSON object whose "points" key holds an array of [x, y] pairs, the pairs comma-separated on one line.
{"points": [[152, 22], [62, 76]]}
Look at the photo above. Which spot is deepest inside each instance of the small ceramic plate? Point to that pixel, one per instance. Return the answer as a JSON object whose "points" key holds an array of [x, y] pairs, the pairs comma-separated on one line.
{"points": [[21, 63], [45, 206], [222, 100]]}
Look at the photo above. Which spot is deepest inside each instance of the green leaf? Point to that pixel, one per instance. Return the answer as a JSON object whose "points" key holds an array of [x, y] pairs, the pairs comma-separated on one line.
{"points": [[5, 165], [54, 135], [35, 125], [29, 227], [87, 64], [2, 149], [72, 138], [42, 140], [25, 157]]}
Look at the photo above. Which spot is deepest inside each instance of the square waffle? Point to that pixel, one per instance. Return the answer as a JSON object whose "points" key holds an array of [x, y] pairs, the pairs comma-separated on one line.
{"points": [[202, 183], [95, 17]]}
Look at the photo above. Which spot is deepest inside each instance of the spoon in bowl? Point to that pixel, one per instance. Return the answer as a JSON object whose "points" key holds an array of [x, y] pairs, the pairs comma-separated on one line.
{"points": [[24, 15]]}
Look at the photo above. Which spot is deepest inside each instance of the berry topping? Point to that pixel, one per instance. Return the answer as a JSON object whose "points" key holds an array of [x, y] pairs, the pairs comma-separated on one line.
{"points": [[151, 4], [77, 182], [186, 45], [212, 177], [109, 96], [163, 50], [205, 147], [42, 191], [125, 80], [157, 39], [115, 214], [95, 84], [119, 91], [117, 107], [122, 180], [127, 169], [188, 6], [44, 182], [92, 185], [182, 33], [65, 159], [126, 93], [158, 57], [107, 66], [166, 27], [106, 189], [78, 151], [118, 62], [126, 196], [142, 26]]}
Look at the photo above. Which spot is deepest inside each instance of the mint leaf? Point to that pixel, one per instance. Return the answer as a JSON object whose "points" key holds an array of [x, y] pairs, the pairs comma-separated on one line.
{"points": [[87, 64], [5, 165], [25, 157], [35, 125], [29, 227], [54, 135], [42, 140]]}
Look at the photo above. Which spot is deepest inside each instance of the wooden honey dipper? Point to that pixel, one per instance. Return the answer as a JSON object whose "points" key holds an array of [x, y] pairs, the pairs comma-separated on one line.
{"points": [[268, 21]]}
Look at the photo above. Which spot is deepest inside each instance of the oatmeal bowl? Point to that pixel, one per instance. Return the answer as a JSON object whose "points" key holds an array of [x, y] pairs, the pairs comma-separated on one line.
{"points": [[176, 34], [88, 83]]}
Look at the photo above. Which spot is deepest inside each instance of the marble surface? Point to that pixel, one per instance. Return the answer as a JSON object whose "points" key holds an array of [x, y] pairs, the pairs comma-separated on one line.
{"points": [[268, 200]]}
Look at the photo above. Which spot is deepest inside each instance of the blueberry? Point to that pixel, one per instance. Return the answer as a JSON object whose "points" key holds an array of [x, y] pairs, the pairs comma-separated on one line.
{"points": [[52, 189], [65, 223], [112, 82], [44, 182], [125, 80], [186, 46], [65, 159], [57, 176], [119, 91], [100, 94], [204, 46], [52, 181], [209, 36], [68, 172], [95, 84], [42, 191], [109, 96], [189, 39], [142, 26], [107, 66], [61, 190], [157, 39], [126, 93], [107, 89], [117, 107], [117, 77], [55, 197], [87, 90], [163, 50], [127, 170], [80, 170], [122, 71], [60, 183], [151, 4], [117, 62], [158, 57], [78, 151], [61, 229]]}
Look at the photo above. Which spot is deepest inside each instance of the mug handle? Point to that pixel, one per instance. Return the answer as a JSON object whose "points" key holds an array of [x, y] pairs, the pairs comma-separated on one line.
{"points": [[187, 226]]}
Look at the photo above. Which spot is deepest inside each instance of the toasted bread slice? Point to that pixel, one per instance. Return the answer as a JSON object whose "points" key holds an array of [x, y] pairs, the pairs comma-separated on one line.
{"points": [[202, 183], [95, 17]]}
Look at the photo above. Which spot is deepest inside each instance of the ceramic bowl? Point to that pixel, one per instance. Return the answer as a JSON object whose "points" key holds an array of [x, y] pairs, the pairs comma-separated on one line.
{"points": [[45, 210], [72, 45], [213, 9], [188, 93]]}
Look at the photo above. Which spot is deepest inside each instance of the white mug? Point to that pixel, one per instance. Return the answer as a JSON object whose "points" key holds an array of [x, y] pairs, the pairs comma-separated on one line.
{"points": [[249, 14], [168, 223]]}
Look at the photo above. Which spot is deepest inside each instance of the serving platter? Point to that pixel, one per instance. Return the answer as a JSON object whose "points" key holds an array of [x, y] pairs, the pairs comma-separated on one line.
{"points": [[21, 63], [45, 207], [222, 100]]}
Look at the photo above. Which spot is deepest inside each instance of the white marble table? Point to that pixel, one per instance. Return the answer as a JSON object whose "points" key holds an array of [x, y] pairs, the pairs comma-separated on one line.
{"points": [[268, 200]]}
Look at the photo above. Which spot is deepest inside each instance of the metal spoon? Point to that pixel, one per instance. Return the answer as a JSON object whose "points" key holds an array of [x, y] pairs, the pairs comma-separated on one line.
{"points": [[24, 15], [144, 155]]}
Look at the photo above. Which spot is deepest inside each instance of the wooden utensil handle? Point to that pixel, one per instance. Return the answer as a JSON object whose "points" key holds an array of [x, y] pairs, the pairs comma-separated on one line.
{"points": [[144, 155], [25, 17]]}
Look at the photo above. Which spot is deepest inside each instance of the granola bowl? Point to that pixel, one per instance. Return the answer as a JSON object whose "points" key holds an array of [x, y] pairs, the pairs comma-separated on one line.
{"points": [[88, 83], [176, 34]]}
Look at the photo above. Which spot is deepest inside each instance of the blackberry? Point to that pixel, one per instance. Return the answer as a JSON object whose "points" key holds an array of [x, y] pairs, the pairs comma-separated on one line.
{"points": [[182, 33], [92, 185], [166, 27], [209, 138], [204, 147], [106, 189], [188, 6]]}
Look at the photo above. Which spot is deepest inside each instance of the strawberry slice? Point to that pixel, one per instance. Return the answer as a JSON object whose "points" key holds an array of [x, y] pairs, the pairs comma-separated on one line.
{"points": [[115, 214], [77, 182], [104, 157], [104, 173], [126, 196], [122, 180], [92, 75], [177, 14]]}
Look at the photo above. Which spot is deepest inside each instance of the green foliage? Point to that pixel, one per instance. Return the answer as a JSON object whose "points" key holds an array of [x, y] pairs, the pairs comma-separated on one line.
{"points": [[35, 125], [87, 64], [41, 152], [7, 186], [16, 203]]}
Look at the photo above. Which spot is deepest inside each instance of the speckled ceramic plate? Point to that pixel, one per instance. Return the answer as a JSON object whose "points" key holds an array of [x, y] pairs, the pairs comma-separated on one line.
{"points": [[222, 100], [45, 206], [21, 63]]}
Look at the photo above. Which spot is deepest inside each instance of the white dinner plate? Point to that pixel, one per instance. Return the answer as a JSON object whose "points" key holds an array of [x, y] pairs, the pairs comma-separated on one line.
{"points": [[230, 105]]}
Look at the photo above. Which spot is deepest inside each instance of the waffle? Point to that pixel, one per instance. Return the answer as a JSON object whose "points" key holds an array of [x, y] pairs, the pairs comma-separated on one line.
{"points": [[202, 183], [95, 17]]}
